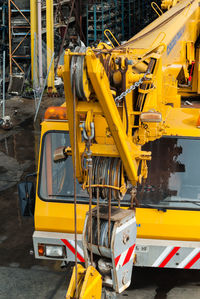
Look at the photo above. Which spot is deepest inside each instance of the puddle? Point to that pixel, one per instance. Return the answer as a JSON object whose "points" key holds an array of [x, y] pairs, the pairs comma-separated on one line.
{"points": [[2, 238], [21, 145], [3, 169], [18, 157], [17, 154]]}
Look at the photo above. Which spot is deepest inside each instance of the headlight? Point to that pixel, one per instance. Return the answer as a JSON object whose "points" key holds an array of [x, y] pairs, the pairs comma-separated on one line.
{"points": [[54, 251], [58, 251]]}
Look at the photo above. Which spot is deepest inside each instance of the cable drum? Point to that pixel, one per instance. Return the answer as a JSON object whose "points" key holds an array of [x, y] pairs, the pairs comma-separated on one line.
{"points": [[103, 240], [106, 172]]}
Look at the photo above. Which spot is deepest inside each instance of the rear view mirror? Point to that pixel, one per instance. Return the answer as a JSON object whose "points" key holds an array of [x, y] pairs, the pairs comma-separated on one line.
{"points": [[26, 193]]}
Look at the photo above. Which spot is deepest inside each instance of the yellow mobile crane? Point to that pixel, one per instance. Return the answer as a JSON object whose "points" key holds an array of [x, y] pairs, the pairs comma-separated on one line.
{"points": [[133, 146]]}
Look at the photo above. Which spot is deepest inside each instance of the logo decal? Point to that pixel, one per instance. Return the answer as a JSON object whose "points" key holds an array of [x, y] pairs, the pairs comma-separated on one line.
{"points": [[175, 39]]}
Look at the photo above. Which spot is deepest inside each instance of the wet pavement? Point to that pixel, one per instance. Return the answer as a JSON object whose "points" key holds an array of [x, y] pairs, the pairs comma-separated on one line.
{"points": [[21, 276]]}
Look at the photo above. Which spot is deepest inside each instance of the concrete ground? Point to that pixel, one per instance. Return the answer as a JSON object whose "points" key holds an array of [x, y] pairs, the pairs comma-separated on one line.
{"points": [[23, 277], [40, 282]]}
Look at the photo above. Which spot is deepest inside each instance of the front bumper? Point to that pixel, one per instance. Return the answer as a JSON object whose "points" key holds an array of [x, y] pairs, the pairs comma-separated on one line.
{"points": [[148, 252]]}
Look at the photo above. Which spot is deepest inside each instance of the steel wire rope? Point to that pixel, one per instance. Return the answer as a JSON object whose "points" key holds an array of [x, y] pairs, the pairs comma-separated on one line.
{"points": [[75, 207], [90, 202]]}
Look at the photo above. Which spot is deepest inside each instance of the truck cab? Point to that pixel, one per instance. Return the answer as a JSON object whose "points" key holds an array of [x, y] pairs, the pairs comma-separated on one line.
{"points": [[167, 206]]}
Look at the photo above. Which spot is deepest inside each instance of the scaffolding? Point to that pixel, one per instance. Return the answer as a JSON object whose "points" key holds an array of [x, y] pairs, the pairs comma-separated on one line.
{"points": [[123, 17], [3, 30], [19, 32], [3, 26], [53, 20]]}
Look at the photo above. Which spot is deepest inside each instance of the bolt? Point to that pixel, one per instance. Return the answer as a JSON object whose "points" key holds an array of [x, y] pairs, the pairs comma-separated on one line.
{"points": [[125, 238], [124, 279]]}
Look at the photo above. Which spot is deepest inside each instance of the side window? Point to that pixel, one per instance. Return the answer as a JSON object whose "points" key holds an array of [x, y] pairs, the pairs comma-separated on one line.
{"points": [[56, 178]]}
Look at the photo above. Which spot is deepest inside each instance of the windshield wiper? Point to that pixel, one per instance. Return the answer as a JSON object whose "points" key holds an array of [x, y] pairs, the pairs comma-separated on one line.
{"points": [[160, 206], [153, 206], [145, 205], [184, 201], [68, 195]]}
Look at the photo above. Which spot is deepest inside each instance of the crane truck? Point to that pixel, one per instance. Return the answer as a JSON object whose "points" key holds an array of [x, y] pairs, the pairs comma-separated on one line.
{"points": [[123, 152]]}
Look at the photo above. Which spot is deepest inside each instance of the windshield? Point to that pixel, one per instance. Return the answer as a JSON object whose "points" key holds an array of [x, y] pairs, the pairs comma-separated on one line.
{"points": [[173, 174], [56, 178]]}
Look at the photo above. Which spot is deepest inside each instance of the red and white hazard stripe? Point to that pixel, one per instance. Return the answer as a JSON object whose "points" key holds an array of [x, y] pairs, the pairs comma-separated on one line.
{"points": [[170, 252], [191, 259], [71, 245], [165, 256], [124, 257]]}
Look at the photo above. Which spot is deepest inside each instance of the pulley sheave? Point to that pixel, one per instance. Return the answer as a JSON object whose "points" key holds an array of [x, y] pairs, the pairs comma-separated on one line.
{"points": [[78, 72]]}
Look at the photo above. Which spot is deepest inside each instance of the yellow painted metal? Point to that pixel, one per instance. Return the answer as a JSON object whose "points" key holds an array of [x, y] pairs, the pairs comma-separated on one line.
{"points": [[190, 52], [58, 217], [50, 43], [92, 285], [102, 132], [156, 8], [101, 86], [71, 292], [89, 284], [117, 77], [174, 224], [179, 25], [196, 74], [182, 122], [167, 4], [88, 121], [122, 189], [198, 70], [169, 225], [34, 31], [113, 37], [65, 72], [51, 216]]}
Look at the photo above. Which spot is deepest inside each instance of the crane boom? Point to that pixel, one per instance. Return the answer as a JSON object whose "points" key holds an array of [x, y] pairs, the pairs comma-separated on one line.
{"points": [[124, 97]]}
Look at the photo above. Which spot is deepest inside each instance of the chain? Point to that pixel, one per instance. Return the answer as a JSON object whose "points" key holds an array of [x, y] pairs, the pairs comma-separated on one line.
{"points": [[136, 84]]}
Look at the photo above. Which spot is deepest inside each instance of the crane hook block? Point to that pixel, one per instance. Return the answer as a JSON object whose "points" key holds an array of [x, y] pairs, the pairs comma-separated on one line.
{"points": [[89, 284]]}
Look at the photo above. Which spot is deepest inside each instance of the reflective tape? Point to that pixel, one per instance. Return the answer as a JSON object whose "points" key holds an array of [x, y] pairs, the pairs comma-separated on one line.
{"points": [[70, 244], [165, 256], [124, 257]]}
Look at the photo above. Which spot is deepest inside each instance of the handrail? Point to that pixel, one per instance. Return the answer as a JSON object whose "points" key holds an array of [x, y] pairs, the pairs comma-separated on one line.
{"points": [[156, 8], [107, 30], [160, 33]]}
